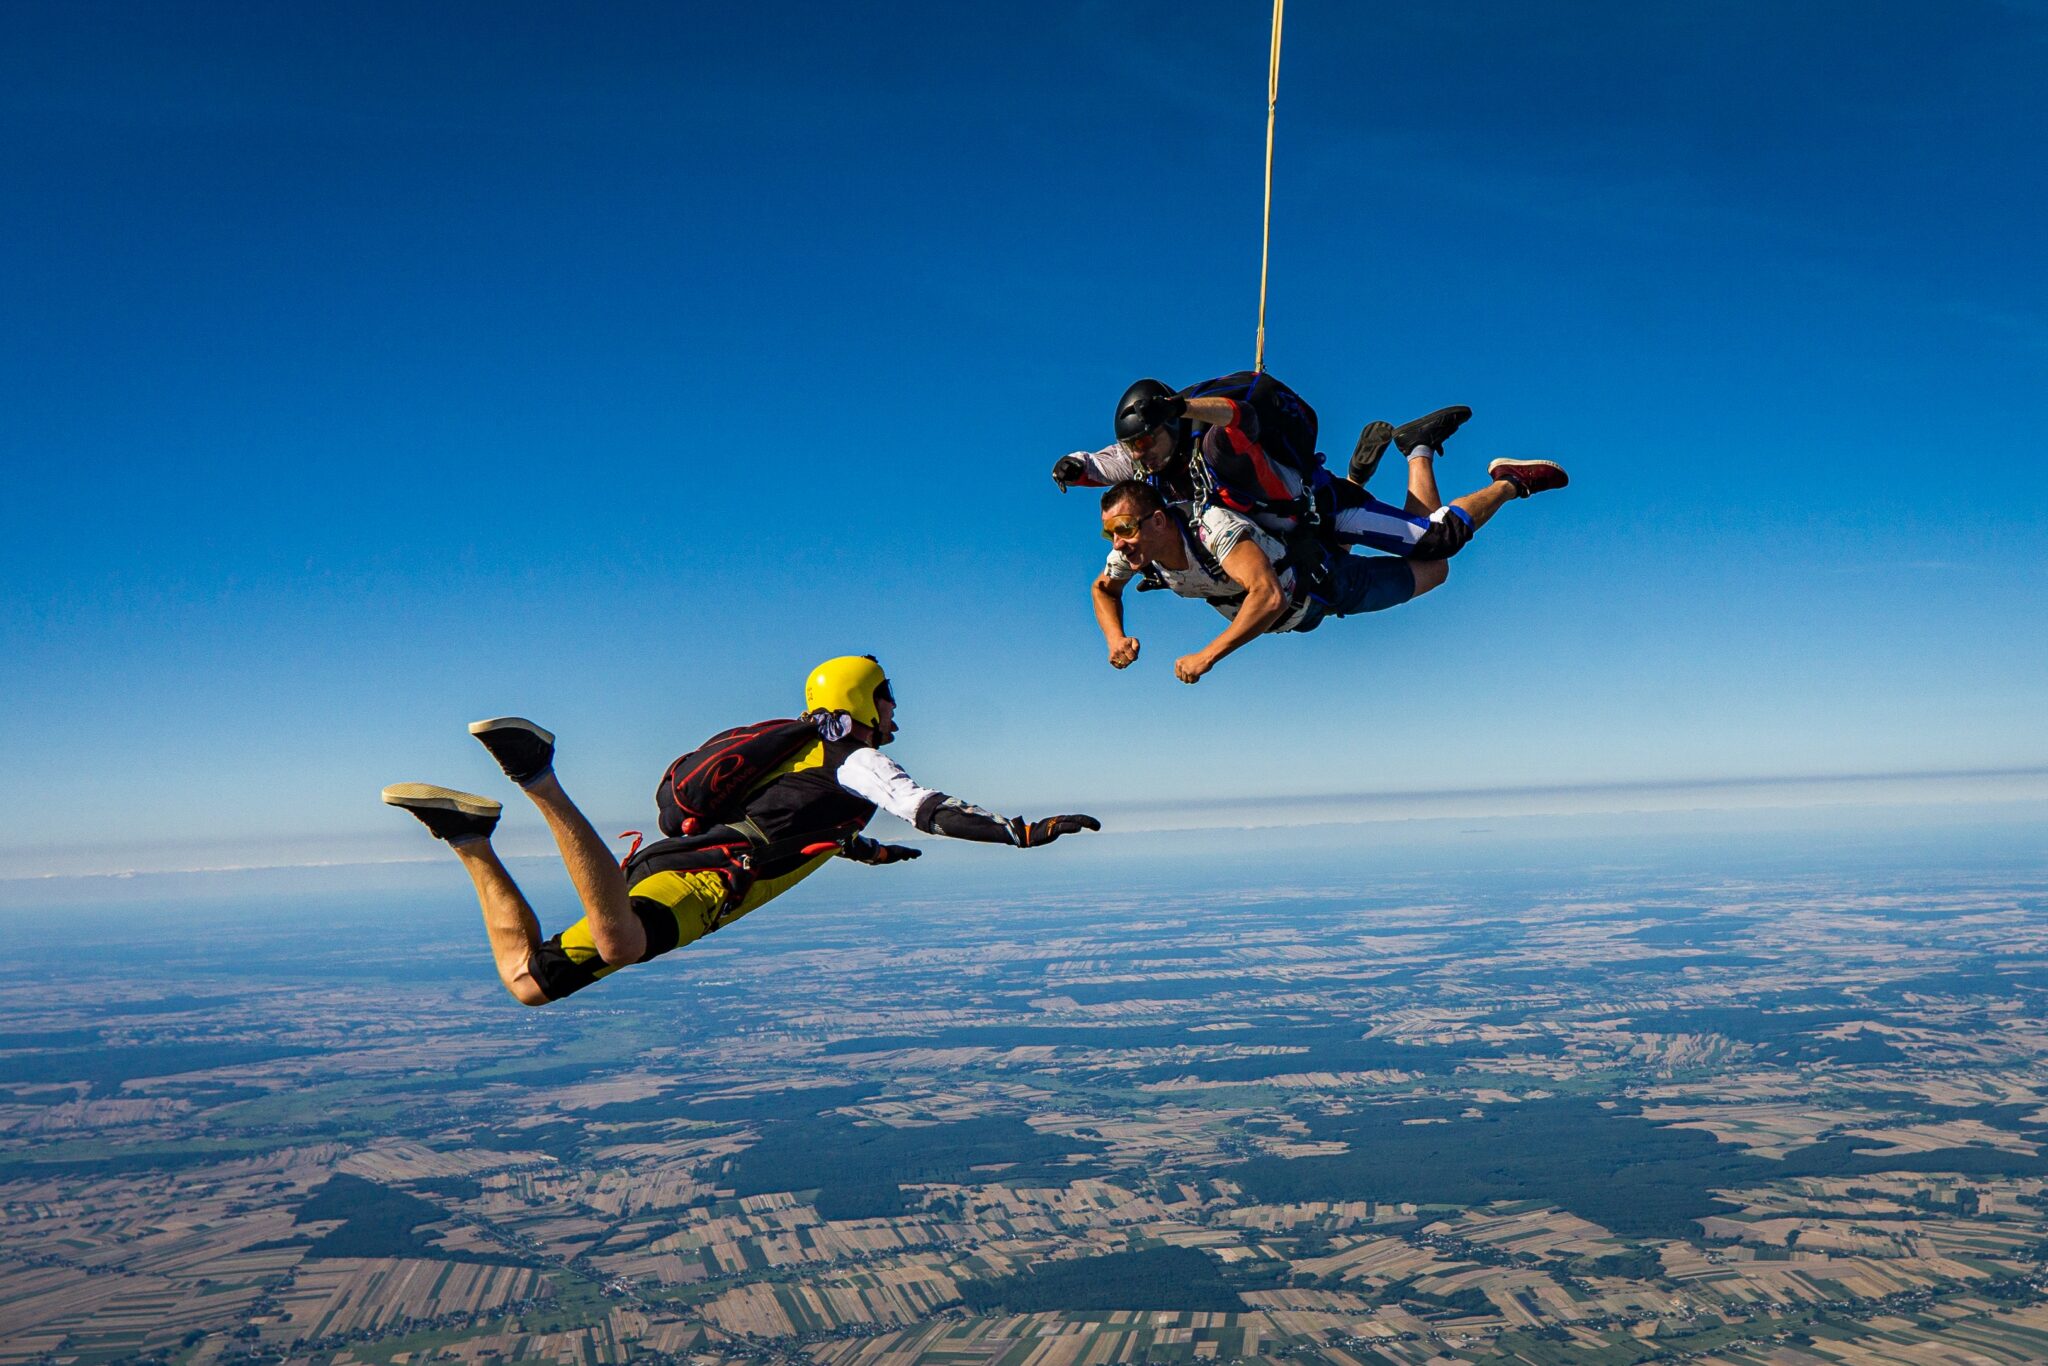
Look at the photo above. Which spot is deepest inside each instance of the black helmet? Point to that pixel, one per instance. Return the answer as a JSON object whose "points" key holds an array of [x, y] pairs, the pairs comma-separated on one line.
{"points": [[1129, 423]]}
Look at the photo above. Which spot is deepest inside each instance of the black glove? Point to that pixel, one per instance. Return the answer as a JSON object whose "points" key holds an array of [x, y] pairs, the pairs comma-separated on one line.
{"points": [[1031, 834], [871, 851], [1162, 409], [1068, 469]]}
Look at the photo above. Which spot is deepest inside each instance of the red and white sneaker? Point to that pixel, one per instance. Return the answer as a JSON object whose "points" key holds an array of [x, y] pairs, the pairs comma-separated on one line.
{"points": [[1530, 477]]}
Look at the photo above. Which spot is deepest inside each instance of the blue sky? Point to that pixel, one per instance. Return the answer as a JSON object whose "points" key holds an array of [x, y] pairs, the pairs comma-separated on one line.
{"points": [[368, 369]]}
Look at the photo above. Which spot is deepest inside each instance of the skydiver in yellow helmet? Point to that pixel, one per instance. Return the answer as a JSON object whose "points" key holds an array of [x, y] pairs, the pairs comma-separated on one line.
{"points": [[854, 688], [781, 825]]}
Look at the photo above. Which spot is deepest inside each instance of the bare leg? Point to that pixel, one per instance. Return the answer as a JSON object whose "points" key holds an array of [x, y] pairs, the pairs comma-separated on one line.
{"points": [[1423, 497], [1428, 574], [1481, 506], [618, 934], [508, 920]]}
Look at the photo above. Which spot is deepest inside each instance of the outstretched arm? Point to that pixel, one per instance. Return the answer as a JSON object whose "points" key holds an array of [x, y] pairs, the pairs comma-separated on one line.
{"points": [[1108, 593], [1249, 568], [1094, 469], [868, 773]]}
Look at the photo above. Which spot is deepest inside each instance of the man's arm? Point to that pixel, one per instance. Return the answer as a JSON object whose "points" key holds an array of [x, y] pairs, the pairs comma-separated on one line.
{"points": [[1216, 411], [869, 773], [1094, 469], [1108, 593], [1263, 604]]}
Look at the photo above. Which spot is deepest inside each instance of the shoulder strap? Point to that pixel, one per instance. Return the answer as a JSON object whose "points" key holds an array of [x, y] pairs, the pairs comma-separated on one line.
{"points": [[1200, 552]]}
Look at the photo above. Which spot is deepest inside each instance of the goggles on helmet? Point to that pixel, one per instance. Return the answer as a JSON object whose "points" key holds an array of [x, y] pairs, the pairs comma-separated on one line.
{"points": [[1149, 449]]}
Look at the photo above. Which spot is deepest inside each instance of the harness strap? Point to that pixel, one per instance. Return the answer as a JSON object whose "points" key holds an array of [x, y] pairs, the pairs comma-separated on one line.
{"points": [[1198, 552], [1303, 553], [761, 849], [1209, 563]]}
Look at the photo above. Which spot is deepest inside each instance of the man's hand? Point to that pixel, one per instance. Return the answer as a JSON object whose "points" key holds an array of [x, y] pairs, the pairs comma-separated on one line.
{"points": [[1263, 604], [1162, 409], [1031, 834], [1123, 653], [862, 850], [1068, 469]]}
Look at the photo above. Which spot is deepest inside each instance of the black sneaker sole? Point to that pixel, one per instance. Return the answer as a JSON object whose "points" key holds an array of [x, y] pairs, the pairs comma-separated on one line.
{"points": [[1365, 456], [427, 797], [495, 723], [523, 749], [1431, 429], [448, 815]]}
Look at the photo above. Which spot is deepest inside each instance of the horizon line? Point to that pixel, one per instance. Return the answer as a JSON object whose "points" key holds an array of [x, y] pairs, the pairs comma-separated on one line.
{"points": [[1632, 785], [1525, 801]]}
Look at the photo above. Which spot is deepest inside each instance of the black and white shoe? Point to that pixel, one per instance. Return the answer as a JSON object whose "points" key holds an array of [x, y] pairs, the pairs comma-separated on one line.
{"points": [[1365, 456], [1431, 429], [447, 814], [522, 749]]}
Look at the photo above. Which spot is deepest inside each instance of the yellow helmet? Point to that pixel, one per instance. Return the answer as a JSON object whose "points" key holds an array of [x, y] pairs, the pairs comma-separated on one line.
{"points": [[850, 683]]}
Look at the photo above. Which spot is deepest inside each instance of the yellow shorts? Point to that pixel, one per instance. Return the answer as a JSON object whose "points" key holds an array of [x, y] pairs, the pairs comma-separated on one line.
{"points": [[677, 908]]}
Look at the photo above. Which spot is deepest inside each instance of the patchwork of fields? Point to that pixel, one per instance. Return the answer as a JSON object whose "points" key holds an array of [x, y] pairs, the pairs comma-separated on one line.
{"points": [[1788, 1121]]}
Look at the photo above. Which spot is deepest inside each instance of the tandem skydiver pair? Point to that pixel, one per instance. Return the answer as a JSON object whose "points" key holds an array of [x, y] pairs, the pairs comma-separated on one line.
{"points": [[1217, 492], [748, 815]]}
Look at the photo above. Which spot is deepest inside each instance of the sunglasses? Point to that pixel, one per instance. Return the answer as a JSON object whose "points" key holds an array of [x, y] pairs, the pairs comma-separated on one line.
{"points": [[1124, 528], [1145, 444]]}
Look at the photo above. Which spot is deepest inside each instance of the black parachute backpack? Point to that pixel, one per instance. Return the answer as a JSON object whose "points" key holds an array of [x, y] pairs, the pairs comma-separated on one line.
{"points": [[1287, 429], [1240, 475], [707, 789], [708, 786]]}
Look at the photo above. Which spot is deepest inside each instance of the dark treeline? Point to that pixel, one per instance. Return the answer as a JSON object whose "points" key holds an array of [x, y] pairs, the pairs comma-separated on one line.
{"points": [[857, 1168], [1612, 1167], [1690, 933], [1177, 1278], [378, 1221], [107, 1067], [799, 1102]]}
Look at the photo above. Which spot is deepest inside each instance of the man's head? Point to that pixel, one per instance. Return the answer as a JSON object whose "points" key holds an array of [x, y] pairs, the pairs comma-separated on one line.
{"points": [[855, 687], [1151, 443], [1134, 521]]}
